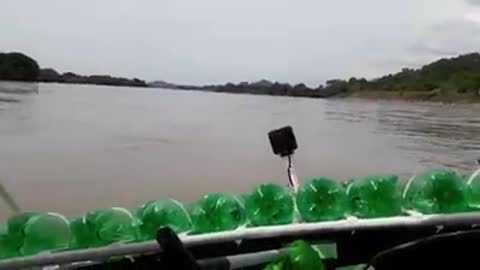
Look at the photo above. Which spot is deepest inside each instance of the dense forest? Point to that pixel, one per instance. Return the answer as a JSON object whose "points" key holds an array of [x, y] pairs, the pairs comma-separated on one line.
{"points": [[18, 67], [458, 75]]}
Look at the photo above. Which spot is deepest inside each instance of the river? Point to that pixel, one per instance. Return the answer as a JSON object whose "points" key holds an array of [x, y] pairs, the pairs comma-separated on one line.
{"points": [[69, 148]]}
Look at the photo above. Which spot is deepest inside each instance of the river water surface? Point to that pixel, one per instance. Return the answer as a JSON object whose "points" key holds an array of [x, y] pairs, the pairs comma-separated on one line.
{"points": [[69, 148]]}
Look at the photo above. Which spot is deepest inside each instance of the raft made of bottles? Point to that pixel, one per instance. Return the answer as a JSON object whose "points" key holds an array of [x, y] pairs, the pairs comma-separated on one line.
{"points": [[320, 206]]}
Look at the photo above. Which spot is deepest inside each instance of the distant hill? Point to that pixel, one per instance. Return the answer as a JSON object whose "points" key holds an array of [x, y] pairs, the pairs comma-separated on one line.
{"points": [[162, 84], [457, 75], [262, 87], [51, 75], [450, 78]]}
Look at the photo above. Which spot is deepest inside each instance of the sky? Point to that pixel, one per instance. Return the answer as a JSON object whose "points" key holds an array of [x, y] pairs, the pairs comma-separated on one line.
{"points": [[215, 41]]}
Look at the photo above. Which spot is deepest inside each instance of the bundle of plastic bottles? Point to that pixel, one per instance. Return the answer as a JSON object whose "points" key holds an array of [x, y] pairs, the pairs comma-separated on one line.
{"points": [[300, 255], [317, 199]]}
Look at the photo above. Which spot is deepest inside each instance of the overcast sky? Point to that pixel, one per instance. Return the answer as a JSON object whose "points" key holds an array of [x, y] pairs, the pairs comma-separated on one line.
{"points": [[213, 41]]}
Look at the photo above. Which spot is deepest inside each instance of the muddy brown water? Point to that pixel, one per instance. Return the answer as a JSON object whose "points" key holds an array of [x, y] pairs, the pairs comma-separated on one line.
{"points": [[69, 148]]}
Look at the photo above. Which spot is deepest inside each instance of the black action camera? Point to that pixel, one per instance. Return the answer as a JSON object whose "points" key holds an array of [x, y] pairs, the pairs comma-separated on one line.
{"points": [[283, 141]]}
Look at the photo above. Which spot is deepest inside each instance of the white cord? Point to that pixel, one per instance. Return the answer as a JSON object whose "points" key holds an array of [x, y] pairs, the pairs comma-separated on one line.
{"points": [[292, 178]]}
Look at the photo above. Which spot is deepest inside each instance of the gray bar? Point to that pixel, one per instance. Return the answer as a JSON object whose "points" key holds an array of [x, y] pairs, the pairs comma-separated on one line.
{"points": [[252, 259], [103, 253], [9, 199], [242, 260]]}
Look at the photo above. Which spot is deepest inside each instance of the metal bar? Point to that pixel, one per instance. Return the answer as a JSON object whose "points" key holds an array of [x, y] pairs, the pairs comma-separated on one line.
{"points": [[242, 260], [331, 227], [323, 228], [8, 199], [246, 260]]}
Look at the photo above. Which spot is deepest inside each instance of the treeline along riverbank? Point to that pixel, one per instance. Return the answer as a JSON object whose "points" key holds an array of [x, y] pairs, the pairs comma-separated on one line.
{"points": [[20, 67], [448, 79]]}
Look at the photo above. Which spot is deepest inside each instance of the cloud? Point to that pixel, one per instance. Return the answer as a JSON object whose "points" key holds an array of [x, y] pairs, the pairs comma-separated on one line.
{"points": [[425, 48], [472, 17], [449, 38], [473, 2], [214, 41], [446, 39]]}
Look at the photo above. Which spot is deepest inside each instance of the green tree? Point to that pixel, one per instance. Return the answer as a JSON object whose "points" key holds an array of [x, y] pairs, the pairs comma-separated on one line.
{"points": [[458, 74], [18, 67]]}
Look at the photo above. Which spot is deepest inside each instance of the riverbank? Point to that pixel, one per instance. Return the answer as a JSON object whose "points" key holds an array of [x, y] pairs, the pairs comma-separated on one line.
{"points": [[436, 95], [430, 96], [262, 87], [455, 79]]}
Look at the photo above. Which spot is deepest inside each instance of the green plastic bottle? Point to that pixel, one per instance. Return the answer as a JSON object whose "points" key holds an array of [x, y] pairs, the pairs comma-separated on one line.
{"points": [[374, 196], [321, 199], [473, 191], [13, 239], [270, 204], [83, 234], [436, 191], [217, 212], [16, 224], [30, 233], [45, 232], [300, 256], [8, 245], [347, 183], [161, 213], [103, 227]]}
